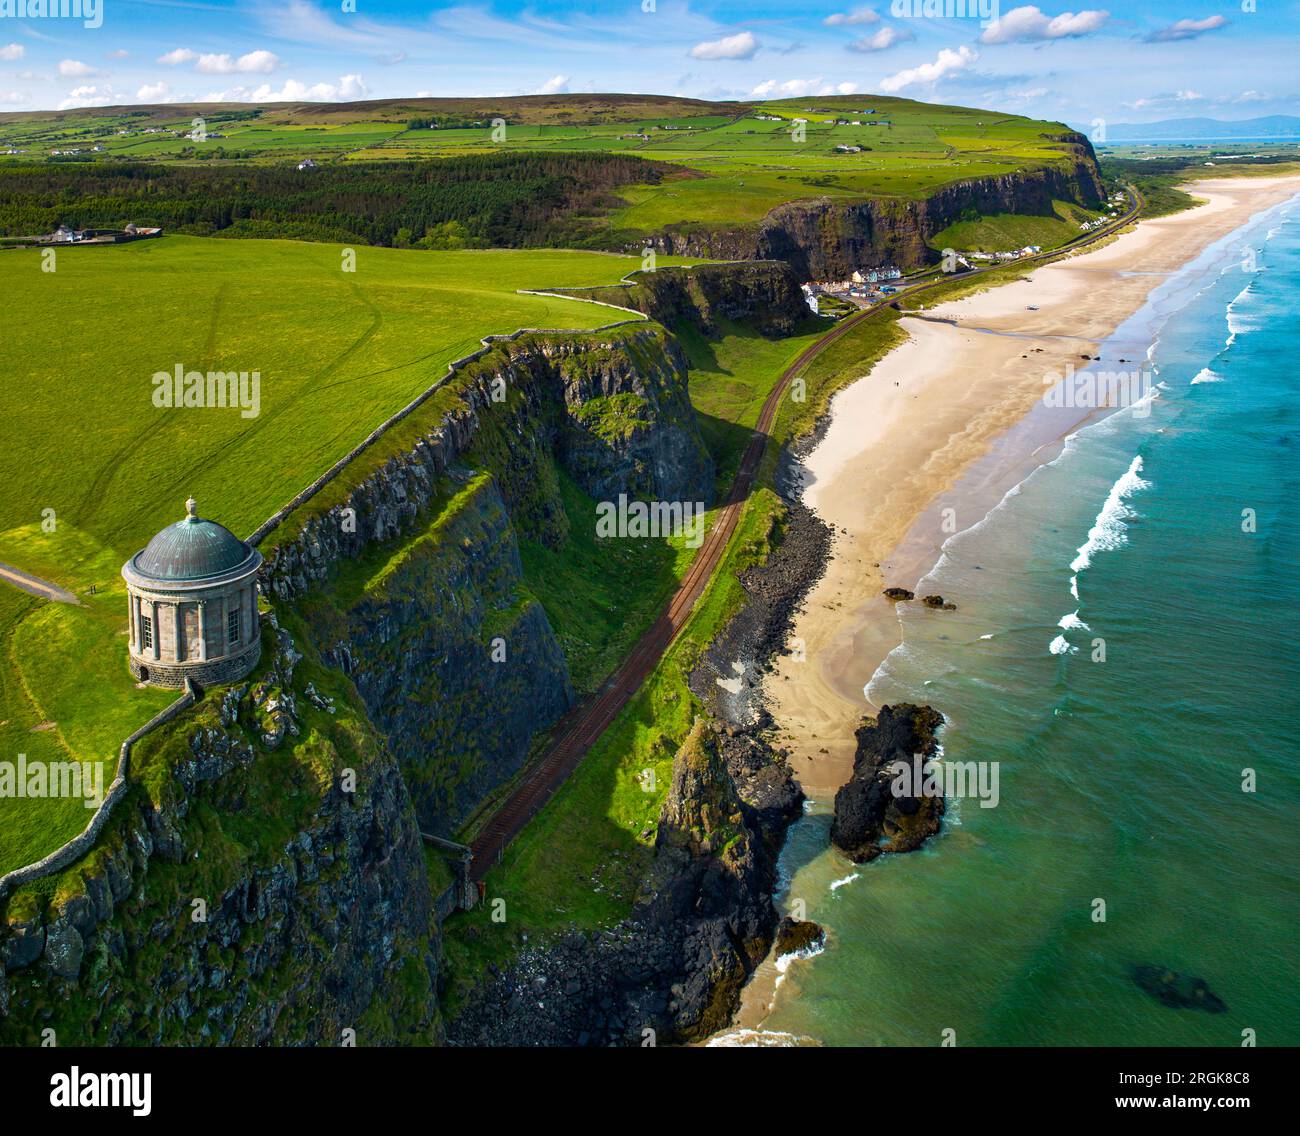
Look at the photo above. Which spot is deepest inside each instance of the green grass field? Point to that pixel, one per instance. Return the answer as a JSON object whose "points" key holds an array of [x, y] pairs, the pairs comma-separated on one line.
{"points": [[93, 469], [738, 162]]}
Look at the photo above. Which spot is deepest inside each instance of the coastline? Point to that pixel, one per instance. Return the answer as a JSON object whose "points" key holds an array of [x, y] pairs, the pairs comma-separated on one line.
{"points": [[952, 419], [932, 436]]}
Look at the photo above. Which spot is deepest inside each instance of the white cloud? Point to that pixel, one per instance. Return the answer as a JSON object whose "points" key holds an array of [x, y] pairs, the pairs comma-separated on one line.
{"points": [[860, 16], [178, 56], [798, 88], [1186, 29], [1031, 23], [556, 85], [12, 98], [947, 62], [1251, 96], [263, 62], [743, 45], [152, 92], [348, 87], [12, 52], [118, 53], [75, 69], [90, 96], [881, 40]]}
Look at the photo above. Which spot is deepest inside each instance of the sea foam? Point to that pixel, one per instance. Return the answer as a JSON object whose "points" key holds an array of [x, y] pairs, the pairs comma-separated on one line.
{"points": [[1109, 531]]}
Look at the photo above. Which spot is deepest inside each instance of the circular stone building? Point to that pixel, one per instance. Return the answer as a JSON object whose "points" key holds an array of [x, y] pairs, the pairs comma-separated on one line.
{"points": [[193, 600]]}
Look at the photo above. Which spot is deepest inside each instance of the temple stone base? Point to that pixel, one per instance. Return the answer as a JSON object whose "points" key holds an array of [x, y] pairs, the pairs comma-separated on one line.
{"points": [[217, 672]]}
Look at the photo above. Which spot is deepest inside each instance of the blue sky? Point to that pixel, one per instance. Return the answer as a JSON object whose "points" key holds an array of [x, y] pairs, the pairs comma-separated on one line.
{"points": [[1121, 63]]}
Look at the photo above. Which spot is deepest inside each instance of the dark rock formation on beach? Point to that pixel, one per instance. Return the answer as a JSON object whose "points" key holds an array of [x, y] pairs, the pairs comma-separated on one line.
{"points": [[895, 595], [728, 677], [796, 935], [1178, 991], [938, 603], [870, 817]]}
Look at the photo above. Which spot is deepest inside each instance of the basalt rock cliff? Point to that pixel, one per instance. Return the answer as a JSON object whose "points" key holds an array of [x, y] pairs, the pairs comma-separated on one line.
{"points": [[262, 883], [413, 585], [827, 238], [672, 972]]}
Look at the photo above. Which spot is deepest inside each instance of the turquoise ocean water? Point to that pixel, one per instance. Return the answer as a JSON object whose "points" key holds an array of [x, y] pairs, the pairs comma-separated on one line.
{"points": [[1120, 780]]}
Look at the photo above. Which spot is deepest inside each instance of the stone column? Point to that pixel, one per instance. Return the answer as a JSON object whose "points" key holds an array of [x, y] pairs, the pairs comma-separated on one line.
{"points": [[157, 633], [203, 630]]}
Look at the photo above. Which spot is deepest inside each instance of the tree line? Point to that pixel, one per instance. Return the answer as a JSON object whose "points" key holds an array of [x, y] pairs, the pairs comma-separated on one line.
{"points": [[510, 200]]}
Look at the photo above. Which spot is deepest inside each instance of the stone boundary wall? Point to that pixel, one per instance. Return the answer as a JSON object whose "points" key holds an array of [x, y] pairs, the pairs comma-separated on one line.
{"points": [[489, 342], [80, 844]]}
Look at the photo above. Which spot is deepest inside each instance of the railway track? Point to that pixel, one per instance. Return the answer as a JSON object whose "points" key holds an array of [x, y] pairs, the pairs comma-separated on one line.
{"points": [[583, 724]]}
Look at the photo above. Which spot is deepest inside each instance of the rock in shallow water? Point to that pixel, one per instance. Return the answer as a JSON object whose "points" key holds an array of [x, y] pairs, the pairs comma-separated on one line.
{"points": [[796, 935], [1178, 991]]}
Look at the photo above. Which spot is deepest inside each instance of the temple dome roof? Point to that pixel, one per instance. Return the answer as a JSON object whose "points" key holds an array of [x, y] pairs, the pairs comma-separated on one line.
{"points": [[192, 549]]}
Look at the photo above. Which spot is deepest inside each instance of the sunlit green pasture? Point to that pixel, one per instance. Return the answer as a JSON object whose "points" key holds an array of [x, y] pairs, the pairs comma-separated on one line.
{"points": [[92, 468]]}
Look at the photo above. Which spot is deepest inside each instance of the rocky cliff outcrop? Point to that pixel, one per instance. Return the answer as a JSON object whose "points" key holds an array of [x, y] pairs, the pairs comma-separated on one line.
{"points": [[456, 662], [764, 294], [612, 406], [258, 886], [413, 585], [875, 811], [673, 971], [827, 238]]}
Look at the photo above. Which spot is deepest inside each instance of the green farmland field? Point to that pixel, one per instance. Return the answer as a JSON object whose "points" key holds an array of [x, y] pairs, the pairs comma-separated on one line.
{"points": [[728, 164], [92, 469]]}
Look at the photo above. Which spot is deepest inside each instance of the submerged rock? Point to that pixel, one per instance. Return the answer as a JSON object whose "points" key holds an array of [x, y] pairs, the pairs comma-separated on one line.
{"points": [[1178, 991], [938, 603], [897, 594]]}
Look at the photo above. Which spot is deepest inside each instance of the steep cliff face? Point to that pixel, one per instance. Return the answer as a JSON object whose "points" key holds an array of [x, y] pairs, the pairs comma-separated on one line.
{"points": [[412, 585], [456, 662], [828, 238], [263, 883], [765, 294]]}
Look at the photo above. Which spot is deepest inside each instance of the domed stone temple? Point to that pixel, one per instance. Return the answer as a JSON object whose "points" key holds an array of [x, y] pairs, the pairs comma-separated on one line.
{"points": [[193, 599]]}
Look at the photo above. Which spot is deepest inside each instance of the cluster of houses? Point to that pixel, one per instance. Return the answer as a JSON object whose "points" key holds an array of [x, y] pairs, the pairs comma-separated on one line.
{"points": [[73, 150], [1013, 254], [66, 235], [842, 149], [871, 285]]}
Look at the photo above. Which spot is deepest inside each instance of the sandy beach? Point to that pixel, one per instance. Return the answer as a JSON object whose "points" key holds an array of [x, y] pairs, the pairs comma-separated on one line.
{"points": [[948, 410]]}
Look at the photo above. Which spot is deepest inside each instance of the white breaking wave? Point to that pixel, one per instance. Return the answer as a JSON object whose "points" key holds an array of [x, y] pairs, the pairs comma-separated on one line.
{"points": [[755, 1039], [783, 963], [1205, 375], [1108, 531], [837, 884]]}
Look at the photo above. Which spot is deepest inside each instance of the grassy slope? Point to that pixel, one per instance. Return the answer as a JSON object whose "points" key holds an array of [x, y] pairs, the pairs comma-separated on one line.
{"points": [[1004, 232], [337, 353]]}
